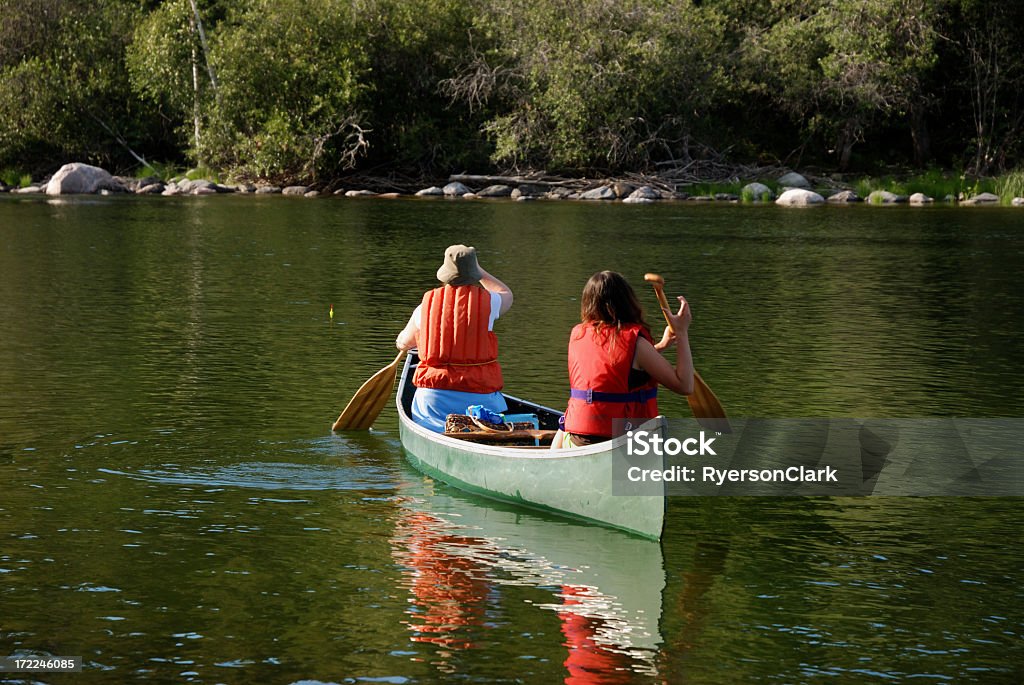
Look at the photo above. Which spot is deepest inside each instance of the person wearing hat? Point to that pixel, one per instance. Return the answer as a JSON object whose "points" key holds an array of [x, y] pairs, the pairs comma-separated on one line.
{"points": [[453, 331]]}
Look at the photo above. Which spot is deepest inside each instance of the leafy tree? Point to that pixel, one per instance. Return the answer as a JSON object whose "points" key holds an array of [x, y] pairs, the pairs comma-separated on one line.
{"points": [[64, 89], [292, 89], [878, 52], [302, 91], [984, 61], [163, 63], [581, 84], [414, 45], [840, 66]]}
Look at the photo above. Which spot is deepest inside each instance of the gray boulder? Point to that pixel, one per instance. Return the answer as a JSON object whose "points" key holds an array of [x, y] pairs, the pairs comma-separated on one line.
{"points": [[527, 190], [884, 197], [359, 193], [844, 197], [1017, 202], [268, 190], [78, 178], [644, 193], [559, 193], [455, 189], [798, 197], [495, 191], [918, 199], [204, 187], [982, 199], [600, 193], [794, 180], [757, 192], [295, 190], [633, 200], [431, 191]]}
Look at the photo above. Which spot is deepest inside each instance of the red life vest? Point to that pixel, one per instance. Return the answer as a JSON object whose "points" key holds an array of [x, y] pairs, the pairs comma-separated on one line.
{"points": [[457, 352], [599, 364]]}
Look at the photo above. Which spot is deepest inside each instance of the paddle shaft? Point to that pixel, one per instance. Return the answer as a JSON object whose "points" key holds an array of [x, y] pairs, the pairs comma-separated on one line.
{"points": [[703, 402], [659, 290]]}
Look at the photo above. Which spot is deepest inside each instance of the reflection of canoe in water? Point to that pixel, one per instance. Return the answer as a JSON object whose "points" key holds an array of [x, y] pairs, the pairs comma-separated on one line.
{"points": [[463, 559], [575, 482]]}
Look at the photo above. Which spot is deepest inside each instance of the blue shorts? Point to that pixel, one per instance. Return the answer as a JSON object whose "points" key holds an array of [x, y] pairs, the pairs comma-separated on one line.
{"points": [[430, 406]]}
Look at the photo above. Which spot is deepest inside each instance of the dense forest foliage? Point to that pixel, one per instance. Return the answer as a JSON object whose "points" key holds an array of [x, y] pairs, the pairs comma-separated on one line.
{"points": [[307, 90]]}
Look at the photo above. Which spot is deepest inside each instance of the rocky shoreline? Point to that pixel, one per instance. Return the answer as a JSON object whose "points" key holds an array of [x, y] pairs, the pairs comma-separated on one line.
{"points": [[795, 190]]}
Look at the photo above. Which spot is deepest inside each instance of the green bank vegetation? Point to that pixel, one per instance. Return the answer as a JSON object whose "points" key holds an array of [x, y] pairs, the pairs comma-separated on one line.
{"points": [[311, 90]]}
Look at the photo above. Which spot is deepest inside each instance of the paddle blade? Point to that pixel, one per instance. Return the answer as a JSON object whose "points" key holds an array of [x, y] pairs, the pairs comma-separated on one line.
{"points": [[706, 408], [365, 406]]}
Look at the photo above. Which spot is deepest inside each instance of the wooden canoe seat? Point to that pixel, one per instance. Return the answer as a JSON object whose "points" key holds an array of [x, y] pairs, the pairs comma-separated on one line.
{"points": [[526, 437]]}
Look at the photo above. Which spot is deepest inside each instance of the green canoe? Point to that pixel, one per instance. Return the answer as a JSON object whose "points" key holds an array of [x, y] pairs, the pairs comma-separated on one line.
{"points": [[571, 482]]}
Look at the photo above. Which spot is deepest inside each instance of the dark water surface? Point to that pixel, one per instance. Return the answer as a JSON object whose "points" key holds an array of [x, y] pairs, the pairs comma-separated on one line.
{"points": [[174, 507]]}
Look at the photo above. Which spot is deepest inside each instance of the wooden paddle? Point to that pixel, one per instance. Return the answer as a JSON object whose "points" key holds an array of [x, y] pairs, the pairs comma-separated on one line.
{"points": [[364, 407], [705, 406]]}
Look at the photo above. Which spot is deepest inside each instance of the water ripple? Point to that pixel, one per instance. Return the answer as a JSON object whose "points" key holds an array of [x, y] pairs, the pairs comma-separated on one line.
{"points": [[268, 476]]}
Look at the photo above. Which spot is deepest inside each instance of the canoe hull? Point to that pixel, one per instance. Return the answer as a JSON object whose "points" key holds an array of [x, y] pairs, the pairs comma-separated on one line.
{"points": [[574, 482]]}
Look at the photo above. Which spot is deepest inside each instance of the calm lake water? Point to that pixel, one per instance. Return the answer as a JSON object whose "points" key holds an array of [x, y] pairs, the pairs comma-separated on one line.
{"points": [[174, 507]]}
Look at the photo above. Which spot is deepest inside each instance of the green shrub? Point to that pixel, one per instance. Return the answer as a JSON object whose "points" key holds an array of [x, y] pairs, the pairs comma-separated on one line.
{"points": [[159, 169], [1009, 186], [202, 172]]}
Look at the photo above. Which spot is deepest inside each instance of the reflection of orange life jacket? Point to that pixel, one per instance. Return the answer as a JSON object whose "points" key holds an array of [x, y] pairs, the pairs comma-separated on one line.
{"points": [[457, 352], [450, 590], [589, 662], [599, 364]]}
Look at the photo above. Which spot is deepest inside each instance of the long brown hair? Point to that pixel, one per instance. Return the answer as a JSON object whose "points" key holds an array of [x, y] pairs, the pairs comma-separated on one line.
{"points": [[609, 300]]}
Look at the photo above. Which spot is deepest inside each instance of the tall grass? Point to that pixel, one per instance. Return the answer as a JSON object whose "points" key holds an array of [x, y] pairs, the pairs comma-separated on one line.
{"points": [[1010, 185], [935, 183]]}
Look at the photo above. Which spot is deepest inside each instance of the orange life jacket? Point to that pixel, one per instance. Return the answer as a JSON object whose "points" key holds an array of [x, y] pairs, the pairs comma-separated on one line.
{"points": [[457, 352], [599, 364]]}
